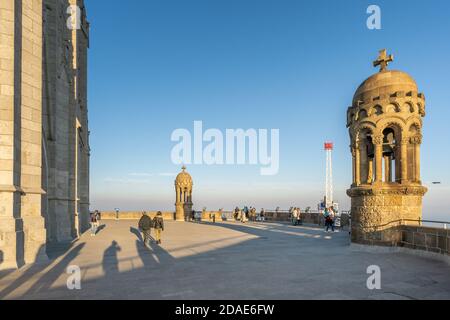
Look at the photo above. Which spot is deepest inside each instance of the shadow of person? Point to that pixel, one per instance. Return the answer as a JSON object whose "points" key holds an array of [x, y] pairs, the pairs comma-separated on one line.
{"points": [[100, 228], [4, 273], [110, 261], [271, 230], [47, 279], [162, 256], [145, 254], [137, 233]]}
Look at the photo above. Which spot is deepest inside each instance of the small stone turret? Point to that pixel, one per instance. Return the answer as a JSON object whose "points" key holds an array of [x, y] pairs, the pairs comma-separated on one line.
{"points": [[385, 126], [183, 189]]}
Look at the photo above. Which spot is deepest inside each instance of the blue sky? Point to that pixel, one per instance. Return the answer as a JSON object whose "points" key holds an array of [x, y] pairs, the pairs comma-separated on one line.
{"points": [[156, 66]]}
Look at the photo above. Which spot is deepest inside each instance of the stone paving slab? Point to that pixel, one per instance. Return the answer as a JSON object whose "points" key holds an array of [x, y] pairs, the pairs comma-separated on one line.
{"points": [[225, 261]]}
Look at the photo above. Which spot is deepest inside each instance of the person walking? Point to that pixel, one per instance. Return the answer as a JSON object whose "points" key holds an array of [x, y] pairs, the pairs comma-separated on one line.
{"points": [[253, 214], [243, 216], [262, 214], [99, 215], [236, 214], [294, 216], [97, 218], [93, 223], [329, 222], [299, 217], [158, 224], [145, 226], [333, 218], [325, 217]]}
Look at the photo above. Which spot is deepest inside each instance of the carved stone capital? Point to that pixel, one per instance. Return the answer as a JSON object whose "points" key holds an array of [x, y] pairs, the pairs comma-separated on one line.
{"points": [[377, 139], [405, 140], [416, 139]]}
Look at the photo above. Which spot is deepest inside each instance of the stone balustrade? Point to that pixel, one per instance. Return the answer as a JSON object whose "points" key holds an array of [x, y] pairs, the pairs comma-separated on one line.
{"points": [[424, 238], [270, 216], [134, 215], [435, 240]]}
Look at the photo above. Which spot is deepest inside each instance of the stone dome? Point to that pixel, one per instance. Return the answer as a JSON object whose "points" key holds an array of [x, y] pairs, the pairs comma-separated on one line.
{"points": [[385, 83], [183, 179]]}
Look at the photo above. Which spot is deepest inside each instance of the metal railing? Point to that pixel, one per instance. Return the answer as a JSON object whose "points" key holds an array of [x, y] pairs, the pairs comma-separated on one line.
{"points": [[421, 222], [444, 224]]}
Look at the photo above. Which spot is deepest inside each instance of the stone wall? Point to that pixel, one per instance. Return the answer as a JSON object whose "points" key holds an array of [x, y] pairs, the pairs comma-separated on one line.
{"points": [[374, 207], [134, 215], [66, 160], [44, 147], [271, 216], [435, 240], [22, 229]]}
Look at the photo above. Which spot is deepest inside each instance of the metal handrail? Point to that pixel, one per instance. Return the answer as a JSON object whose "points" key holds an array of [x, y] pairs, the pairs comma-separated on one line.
{"points": [[401, 221]]}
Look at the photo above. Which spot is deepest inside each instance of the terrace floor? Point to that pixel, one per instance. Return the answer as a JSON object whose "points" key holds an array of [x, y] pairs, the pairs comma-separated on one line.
{"points": [[225, 261]]}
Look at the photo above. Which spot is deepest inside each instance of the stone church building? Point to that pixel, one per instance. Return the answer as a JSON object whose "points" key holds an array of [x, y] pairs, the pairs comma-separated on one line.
{"points": [[44, 137]]}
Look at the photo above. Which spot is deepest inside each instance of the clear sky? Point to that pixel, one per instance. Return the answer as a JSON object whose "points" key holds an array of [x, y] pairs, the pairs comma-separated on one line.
{"points": [[159, 65]]}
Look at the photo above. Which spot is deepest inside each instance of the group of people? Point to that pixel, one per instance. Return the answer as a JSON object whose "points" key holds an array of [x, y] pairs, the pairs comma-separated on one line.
{"points": [[296, 216], [248, 214], [146, 224]]}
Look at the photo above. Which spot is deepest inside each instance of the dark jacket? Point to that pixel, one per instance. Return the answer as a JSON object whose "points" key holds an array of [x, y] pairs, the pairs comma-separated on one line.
{"points": [[145, 223], [158, 222]]}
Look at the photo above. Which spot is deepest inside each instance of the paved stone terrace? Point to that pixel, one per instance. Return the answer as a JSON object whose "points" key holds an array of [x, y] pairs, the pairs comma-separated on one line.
{"points": [[225, 261]]}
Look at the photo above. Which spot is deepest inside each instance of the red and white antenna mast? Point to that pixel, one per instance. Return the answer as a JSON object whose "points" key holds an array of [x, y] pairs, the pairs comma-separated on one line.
{"points": [[329, 175]]}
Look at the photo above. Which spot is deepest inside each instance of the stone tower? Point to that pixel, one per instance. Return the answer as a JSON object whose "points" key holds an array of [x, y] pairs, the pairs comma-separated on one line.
{"points": [[183, 189], [22, 227], [44, 147], [65, 119], [385, 124]]}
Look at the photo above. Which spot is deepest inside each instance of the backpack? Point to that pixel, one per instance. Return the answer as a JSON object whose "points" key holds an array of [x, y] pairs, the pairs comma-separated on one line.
{"points": [[157, 222], [145, 223]]}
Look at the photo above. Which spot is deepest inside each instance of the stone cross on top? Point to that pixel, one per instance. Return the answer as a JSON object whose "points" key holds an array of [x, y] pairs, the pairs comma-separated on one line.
{"points": [[383, 60]]}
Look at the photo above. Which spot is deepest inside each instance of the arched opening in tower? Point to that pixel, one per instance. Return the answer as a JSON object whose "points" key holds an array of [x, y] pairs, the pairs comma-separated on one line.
{"points": [[390, 157], [367, 154]]}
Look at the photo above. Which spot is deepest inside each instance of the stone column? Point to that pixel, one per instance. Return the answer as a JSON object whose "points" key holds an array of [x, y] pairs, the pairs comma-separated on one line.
{"points": [[188, 204], [76, 213], [364, 163], [387, 169], [352, 150], [11, 224], [179, 204], [357, 165], [378, 143], [31, 135], [404, 160], [417, 143], [397, 177]]}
